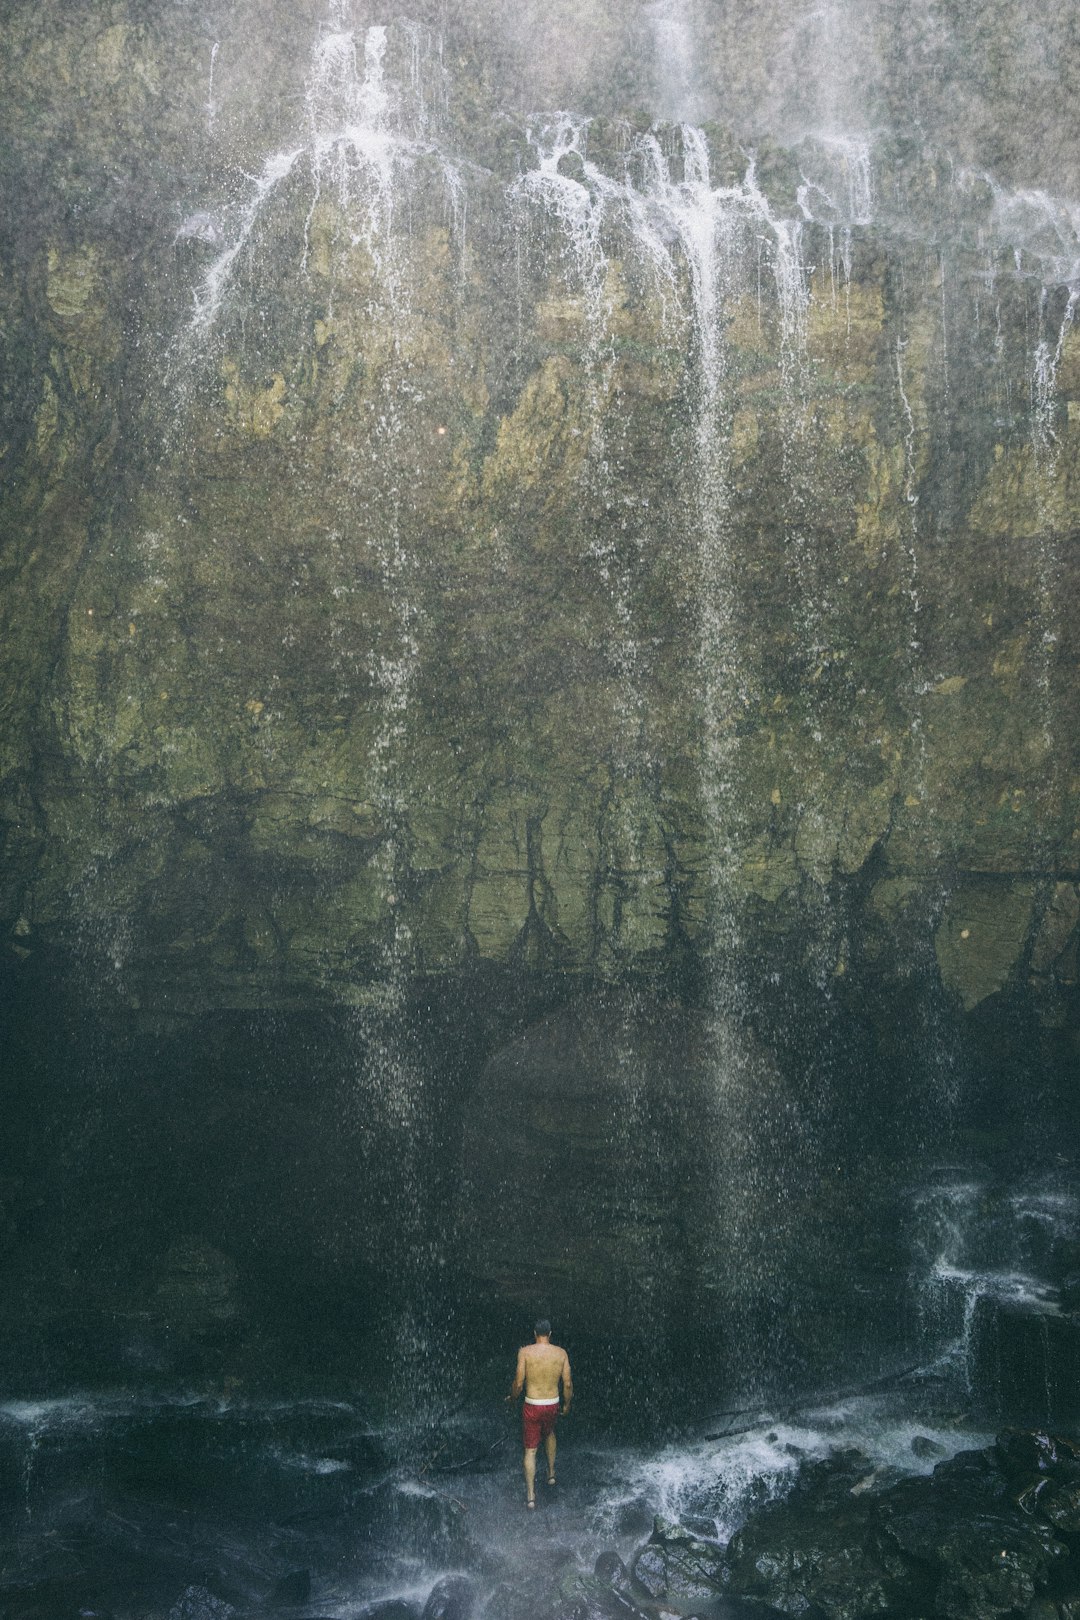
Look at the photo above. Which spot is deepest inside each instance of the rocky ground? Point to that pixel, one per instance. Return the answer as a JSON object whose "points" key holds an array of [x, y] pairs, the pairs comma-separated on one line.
{"points": [[989, 1533]]}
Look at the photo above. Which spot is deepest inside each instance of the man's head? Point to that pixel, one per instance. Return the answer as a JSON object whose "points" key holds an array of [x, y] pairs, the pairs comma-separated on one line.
{"points": [[543, 1328]]}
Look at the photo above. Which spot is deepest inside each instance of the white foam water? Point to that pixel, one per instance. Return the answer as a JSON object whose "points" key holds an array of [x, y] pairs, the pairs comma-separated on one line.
{"points": [[1008, 1287], [838, 185], [359, 140], [1057, 1211], [68, 1412], [715, 1483], [606, 1497], [979, 1247], [302, 1462]]}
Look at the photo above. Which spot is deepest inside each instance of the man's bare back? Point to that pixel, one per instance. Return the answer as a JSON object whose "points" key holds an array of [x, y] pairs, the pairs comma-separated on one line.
{"points": [[539, 1369]]}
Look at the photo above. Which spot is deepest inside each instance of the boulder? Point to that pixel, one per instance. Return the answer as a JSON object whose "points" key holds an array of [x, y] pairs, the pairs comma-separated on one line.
{"points": [[452, 1598], [591, 1600], [819, 1561], [991, 1568], [987, 1555], [1019, 1452], [678, 1566], [1061, 1507], [196, 1603], [990, 1533], [606, 1594], [610, 1568]]}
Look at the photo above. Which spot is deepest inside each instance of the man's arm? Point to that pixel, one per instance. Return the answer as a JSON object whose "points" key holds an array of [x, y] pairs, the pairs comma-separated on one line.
{"points": [[567, 1384], [519, 1377]]}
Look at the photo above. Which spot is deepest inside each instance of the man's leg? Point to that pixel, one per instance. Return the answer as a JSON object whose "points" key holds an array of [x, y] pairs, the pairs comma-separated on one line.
{"points": [[530, 1474], [549, 1448]]}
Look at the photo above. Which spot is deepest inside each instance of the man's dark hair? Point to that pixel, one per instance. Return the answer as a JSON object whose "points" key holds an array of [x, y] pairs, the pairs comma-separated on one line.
{"points": [[543, 1326]]}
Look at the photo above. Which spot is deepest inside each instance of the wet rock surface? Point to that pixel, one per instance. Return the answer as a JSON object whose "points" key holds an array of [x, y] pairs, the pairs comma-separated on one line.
{"points": [[370, 639], [263, 1520], [989, 1533], [541, 1123], [260, 734], [453, 1598], [679, 1566]]}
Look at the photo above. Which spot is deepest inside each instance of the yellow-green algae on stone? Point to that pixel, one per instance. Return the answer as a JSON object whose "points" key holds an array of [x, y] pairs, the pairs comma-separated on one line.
{"points": [[381, 617]]}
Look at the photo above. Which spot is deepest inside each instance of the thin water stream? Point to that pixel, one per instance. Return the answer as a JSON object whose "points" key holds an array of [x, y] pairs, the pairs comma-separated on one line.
{"points": [[579, 1052]]}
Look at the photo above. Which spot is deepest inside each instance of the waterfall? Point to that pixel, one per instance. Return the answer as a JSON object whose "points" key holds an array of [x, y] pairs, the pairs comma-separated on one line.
{"points": [[211, 109], [360, 139], [1043, 233], [699, 244], [353, 149], [210, 294], [339, 254], [678, 91], [840, 187], [837, 189], [702, 247], [541, 762], [615, 525], [357, 146], [989, 1263]]}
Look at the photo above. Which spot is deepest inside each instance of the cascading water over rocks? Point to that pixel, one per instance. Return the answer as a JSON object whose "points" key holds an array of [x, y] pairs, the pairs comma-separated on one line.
{"points": [[539, 764]]}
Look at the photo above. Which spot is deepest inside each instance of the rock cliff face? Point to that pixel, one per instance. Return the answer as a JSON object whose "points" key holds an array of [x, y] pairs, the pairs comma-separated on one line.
{"points": [[432, 535]]}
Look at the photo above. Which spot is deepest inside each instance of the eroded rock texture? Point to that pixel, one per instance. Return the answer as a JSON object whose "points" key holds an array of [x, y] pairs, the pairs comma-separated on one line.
{"points": [[432, 534]]}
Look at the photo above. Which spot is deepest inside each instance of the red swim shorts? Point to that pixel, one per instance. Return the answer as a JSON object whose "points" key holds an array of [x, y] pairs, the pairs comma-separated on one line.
{"points": [[537, 1422]]}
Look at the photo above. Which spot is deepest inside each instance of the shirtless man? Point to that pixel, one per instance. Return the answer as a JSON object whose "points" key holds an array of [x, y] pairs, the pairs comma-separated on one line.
{"points": [[540, 1367]]}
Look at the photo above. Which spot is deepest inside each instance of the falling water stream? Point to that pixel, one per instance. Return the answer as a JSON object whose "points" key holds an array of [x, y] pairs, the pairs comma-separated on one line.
{"points": [[671, 239]]}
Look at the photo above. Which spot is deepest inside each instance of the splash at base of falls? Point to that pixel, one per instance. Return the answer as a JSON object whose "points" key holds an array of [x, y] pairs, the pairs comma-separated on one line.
{"points": [[278, 1495], [360, 1501]]}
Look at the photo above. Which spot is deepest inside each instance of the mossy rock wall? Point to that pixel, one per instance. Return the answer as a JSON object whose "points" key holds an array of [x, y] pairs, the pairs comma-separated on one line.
{"points": [[394, 579]]}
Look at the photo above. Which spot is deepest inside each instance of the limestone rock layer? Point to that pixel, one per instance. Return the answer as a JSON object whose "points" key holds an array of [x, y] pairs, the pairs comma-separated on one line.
{"points": [[437, 531]]}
